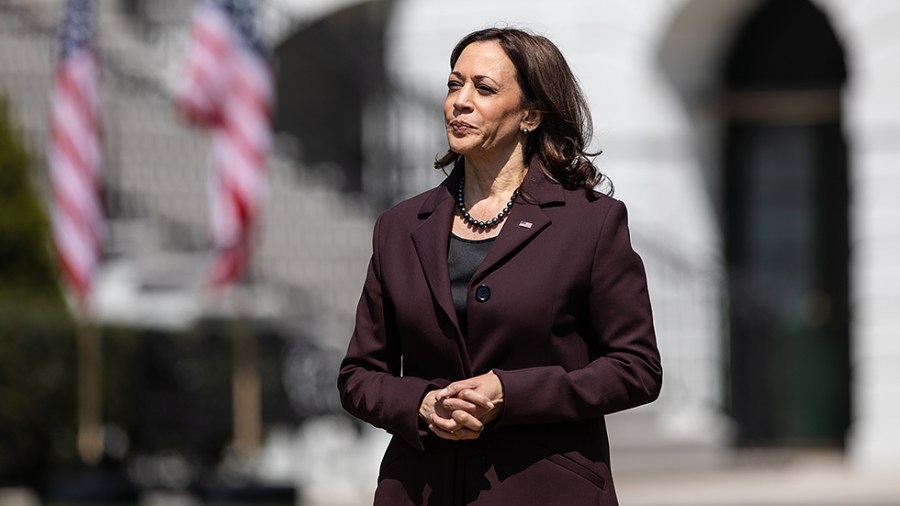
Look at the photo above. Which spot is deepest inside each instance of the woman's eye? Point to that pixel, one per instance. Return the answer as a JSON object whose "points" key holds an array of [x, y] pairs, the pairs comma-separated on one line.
{"points": [[453, 85], [485, 89]]}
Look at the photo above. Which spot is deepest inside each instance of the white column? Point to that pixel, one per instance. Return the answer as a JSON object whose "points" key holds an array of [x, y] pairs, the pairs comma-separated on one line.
{"points": [[872, 125]]}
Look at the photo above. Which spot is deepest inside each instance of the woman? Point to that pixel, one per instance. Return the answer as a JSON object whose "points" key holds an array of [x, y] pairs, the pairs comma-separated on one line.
{"points": [[504, 312]]}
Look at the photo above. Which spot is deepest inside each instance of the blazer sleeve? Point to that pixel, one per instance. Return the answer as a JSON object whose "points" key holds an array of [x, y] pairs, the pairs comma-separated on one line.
{"points": [[627, 372], [370, 382]]}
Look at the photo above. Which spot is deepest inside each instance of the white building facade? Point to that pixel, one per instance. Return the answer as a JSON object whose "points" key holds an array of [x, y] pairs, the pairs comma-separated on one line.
{"points": [[652, 72], [666, 112]]}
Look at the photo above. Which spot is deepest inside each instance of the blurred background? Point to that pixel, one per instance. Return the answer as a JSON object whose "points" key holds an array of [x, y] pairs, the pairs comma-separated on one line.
{"points": [[755, 142]]}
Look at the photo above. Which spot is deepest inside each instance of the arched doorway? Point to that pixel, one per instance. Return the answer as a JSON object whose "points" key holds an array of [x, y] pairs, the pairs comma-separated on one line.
{"points": [[786, 228], [328, 71]]}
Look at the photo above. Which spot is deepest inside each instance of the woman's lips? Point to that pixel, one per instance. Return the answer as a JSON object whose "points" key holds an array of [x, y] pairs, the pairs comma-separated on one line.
{"points": [[460, 126]]}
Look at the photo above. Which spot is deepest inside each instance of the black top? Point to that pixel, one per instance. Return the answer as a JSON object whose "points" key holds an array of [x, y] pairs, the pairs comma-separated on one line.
{"points": [[464, 257]]}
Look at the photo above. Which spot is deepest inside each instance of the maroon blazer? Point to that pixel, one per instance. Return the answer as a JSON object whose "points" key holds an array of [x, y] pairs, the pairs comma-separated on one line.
{"points": [[563, 319]]}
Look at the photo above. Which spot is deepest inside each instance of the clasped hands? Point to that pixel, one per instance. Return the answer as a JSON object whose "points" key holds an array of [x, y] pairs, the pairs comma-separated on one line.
{"points": [[461, 410]]}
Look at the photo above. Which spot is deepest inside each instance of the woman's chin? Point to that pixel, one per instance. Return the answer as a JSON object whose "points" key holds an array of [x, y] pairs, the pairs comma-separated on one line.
{"points": [[461, 146]]}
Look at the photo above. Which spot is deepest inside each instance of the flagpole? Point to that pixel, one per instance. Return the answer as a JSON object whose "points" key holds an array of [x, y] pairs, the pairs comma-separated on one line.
{"points": [[90, 391], [229, 89], [75, 161], [246, 384]]}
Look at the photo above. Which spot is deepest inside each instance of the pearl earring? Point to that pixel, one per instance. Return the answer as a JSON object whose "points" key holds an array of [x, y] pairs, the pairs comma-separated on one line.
{"points": [[524, 131]]}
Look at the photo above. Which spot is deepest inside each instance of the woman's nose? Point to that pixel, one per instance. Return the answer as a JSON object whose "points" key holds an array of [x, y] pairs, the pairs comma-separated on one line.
{"points": [[463, 99]]}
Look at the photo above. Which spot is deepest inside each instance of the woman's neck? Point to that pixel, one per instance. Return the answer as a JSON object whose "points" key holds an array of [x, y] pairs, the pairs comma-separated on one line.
{"points": [[491, 180]]}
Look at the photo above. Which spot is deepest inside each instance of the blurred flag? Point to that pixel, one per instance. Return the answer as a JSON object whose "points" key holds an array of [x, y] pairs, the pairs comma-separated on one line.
{"points": [[75, 151], [229, 90]]}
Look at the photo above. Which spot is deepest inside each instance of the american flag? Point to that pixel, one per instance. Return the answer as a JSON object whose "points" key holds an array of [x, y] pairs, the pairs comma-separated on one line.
{"points": [[229, 90], [75, 151]]}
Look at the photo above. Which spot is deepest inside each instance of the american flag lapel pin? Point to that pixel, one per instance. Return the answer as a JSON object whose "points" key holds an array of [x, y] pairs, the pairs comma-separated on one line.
{"points": [[525, 224]]}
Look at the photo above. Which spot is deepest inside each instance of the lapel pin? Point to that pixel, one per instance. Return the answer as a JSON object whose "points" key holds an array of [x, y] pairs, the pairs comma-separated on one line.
{"points": [[525, 224]]}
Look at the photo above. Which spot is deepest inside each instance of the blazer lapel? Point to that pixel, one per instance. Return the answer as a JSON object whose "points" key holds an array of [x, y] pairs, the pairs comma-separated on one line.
{"points": [[432, 240], [432, 237], [525, 221]]}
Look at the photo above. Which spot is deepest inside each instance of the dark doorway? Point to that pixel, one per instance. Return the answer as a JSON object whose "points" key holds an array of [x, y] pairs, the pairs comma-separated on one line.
{"points": [[327, 72], [787, 229]]}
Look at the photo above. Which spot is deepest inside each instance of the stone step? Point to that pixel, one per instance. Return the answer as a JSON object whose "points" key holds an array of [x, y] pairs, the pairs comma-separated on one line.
{"points": [[644, 439]]}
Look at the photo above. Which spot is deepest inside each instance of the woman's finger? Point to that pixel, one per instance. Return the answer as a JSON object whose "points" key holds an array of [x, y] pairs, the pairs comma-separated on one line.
{"points": [[467, 421], [454, 388], [441, 433], [458, 435], [475, 397], [455, 403], [447, 424]]}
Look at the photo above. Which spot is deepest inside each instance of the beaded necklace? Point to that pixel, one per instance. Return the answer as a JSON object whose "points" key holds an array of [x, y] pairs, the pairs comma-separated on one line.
{"points": [[483, 225]]}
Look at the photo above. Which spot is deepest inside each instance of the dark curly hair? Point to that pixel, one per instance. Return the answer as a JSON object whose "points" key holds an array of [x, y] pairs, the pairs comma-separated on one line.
{"points": [[548, 86]]}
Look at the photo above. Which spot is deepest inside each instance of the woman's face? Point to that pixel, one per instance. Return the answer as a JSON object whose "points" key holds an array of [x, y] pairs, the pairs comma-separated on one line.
{"points": [[483, 111]]}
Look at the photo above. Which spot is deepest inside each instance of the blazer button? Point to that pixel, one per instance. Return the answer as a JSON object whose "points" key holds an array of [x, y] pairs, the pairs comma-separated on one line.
{"points": [[480, 455], [482, 294]]}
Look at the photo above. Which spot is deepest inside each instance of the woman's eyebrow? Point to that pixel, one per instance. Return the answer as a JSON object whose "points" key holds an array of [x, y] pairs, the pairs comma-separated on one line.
{"points": [[477, 77], [481, 77]]}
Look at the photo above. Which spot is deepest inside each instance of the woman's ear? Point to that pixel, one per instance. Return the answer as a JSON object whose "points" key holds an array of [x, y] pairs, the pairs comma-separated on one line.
{"points": [[531, 120]]}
